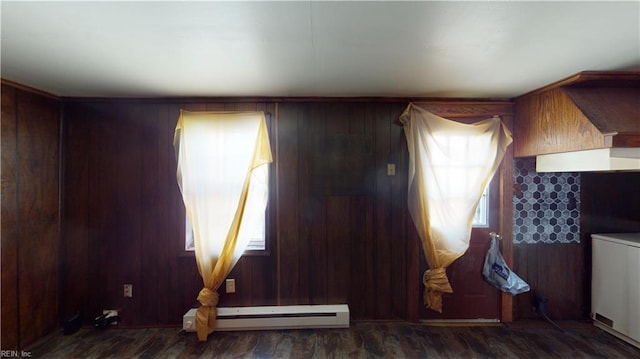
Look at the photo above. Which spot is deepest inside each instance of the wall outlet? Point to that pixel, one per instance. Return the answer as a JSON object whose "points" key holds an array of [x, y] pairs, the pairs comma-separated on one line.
{"points": [[128, 290], [231, 285]]}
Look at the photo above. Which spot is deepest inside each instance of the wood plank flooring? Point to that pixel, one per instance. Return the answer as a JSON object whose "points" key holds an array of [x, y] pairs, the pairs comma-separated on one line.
{"points": [[361, 340]]}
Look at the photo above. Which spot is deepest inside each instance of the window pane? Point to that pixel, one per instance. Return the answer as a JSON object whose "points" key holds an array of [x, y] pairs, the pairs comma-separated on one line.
{"points": [[481, 218], [256, 242], [254, 228], [453, 156]]}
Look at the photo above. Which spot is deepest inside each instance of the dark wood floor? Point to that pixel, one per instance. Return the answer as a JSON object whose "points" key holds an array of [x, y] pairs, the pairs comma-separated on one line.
{"points": [[361, 340]]}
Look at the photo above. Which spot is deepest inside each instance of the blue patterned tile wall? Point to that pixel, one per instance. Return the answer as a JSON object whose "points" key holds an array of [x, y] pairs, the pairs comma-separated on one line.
{"points": [[546, 206]]}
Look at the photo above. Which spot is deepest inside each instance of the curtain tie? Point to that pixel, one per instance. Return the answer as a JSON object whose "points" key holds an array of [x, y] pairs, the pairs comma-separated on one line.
{"points": [[208, 297], [206, 313], [435, 284]]}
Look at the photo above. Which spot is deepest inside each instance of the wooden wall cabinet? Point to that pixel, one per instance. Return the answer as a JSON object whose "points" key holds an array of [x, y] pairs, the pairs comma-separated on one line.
{"points": [[589, 110]]}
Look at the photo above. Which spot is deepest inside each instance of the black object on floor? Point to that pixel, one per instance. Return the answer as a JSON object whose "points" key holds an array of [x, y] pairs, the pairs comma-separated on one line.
{"points": [[541, 306], [72, 324], [105, 320]]}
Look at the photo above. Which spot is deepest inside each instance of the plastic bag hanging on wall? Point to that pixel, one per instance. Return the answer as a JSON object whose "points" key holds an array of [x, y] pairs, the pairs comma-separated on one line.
{"points": [[496, 272]]}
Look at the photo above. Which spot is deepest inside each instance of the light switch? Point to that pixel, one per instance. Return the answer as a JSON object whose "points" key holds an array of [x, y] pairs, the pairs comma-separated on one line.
{"points": [[391, 169]]}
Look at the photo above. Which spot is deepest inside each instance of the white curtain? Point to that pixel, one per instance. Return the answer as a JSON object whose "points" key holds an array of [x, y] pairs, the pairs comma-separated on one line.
{"points": [[222, 174], [450, 164]]}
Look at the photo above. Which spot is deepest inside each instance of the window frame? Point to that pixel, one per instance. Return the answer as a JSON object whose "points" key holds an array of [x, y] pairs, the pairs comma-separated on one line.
{"points": [[483, 206], [269, 230]]}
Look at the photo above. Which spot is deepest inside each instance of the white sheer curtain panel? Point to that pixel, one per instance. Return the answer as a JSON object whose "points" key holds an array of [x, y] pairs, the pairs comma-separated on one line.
{"points": [[222, 174], [450, 164]]}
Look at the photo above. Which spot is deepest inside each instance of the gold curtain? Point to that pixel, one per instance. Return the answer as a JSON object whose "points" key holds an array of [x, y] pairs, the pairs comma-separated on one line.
{"points": [[450, 164], [222, 173]]}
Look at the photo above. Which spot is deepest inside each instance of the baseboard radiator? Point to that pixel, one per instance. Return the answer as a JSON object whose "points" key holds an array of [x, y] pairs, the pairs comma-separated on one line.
{"points": [[275, 317]]}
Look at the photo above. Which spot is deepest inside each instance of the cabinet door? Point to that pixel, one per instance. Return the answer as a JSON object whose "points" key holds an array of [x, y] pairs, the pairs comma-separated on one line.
{"points": [[610, 278], [634, 292]]}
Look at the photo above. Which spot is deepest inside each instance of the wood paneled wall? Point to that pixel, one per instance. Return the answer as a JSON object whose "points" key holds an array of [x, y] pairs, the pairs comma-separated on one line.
{"points": [[555, 271], [337, 223], [124, 217], [30, 217], [341, 233], [610, 203], [333, 240]]}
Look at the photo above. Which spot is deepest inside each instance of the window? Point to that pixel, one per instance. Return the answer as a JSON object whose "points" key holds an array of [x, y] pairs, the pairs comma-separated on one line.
{"points": [[481, 218], [224, 177], [256, 232], [257, 242], [454, 157]]}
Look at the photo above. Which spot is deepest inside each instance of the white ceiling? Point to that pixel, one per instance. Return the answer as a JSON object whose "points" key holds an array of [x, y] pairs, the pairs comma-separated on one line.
{"points": [[312, 48]]}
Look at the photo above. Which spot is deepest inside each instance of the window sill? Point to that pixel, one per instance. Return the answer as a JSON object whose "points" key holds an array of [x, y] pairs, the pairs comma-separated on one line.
{"points": [[192, 254]]}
